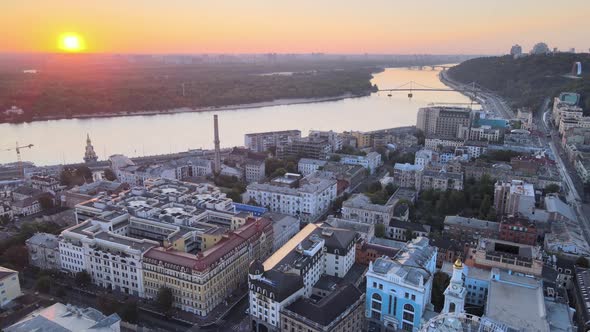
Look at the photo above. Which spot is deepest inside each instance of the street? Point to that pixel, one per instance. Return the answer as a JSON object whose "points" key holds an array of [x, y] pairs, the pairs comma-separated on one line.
{"points": [[572, 183]]}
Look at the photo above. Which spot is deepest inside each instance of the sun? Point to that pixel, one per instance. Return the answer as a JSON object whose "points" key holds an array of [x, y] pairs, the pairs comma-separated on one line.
{"points": [[70, 42]]}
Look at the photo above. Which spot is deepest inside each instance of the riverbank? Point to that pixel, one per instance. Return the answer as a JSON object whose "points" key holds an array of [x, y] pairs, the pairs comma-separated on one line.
{"points": [[489, 101], [278, 102], [64, 141]]}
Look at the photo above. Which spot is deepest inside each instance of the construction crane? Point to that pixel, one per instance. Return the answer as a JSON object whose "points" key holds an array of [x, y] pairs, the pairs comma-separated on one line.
{"points": [[17, 148]]}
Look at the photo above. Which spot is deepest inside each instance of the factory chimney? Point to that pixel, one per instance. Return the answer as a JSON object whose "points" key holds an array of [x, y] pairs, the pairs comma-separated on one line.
{"points": [[217, 162]]}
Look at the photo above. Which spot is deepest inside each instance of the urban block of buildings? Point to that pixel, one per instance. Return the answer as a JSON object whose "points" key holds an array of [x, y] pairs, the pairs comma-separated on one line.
{"points": [[307, 197]]}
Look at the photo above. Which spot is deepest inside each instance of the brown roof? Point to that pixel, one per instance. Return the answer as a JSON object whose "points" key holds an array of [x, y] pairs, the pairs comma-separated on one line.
{"points": [[202, 261]]}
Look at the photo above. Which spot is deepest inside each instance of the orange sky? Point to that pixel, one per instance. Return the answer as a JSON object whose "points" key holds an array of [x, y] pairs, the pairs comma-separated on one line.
{"points": [[258, 26]]}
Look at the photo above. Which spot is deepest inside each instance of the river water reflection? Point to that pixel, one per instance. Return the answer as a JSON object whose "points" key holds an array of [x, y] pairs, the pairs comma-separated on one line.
{"points": [[60, 141]]}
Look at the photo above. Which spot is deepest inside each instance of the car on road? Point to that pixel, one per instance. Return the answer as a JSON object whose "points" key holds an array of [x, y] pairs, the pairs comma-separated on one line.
{"points": [[247, 311]]}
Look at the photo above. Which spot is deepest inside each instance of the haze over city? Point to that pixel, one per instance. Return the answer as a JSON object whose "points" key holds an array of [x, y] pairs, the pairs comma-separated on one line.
{"points": [[261, 26]]}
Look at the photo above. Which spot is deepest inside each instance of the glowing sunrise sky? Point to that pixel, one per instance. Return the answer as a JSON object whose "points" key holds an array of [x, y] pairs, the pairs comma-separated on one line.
{"points": [[331, 26]]}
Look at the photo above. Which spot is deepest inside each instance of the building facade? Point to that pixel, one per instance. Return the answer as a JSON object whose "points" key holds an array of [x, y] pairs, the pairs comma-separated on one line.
{"points": [[262, 142], [359, 208], [399, 288], [291, 274], [44, 251], [443, 122], [307, 198], [201, 282], [9, 286]]}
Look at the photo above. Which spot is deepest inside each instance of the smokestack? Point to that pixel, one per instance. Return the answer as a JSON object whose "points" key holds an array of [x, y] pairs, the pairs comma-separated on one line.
{"points": [[217, 162]]}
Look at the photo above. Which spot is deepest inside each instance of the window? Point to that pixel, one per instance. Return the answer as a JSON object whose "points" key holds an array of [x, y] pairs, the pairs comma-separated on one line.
{"points": [[452, 307]]}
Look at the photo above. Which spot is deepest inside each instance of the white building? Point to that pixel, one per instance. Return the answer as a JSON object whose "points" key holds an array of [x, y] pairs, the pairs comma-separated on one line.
{"points": [[66, 318], [171, 170], [484, 133], [9, 286], [334, 138], [476, 148], [254, 170], [114, 261], [371, 161], [291, 272], [307, 198], [44, 251], [359, 208], [406, 175], [307, 166], [425, 157], [26, 207], [284, 228], [512, 197], [436, 143]]}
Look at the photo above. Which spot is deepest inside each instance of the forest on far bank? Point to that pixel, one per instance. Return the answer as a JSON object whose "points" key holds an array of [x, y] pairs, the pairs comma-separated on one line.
{"points": [[528, 80]]}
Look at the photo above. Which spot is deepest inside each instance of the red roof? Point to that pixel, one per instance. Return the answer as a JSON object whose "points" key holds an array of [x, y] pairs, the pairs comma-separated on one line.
{"points": [[202, 261]]}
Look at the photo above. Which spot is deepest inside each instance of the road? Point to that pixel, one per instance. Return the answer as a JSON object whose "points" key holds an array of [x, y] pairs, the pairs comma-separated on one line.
{"points": [[496, 105], [568, 173], [489, 101]]}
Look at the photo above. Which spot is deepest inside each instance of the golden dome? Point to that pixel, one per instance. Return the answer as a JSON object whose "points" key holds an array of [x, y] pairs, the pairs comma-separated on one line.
{"points": [[458, 263]]}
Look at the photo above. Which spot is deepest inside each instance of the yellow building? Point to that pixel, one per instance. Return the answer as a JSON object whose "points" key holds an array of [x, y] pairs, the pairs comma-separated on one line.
{"points": [[9, 286], [201, 282], [363, 140]]}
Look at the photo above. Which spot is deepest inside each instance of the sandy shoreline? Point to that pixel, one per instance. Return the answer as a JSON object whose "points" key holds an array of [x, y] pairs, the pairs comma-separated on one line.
{"points": [[278, 102]]}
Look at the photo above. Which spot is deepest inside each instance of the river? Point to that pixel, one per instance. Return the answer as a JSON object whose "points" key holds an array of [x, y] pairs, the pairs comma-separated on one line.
{"points": [[59, 141]]}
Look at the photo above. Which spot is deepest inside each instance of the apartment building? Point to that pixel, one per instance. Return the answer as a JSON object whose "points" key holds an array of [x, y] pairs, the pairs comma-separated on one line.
{"points": [[443, 122], [306, 147], [335, 139], [307, 166], [437, 144], [294, 272], [114, 261], [262, 142], [439, 180], [201, 281], [9, 286], [371, 161], [406, 175], [254, 170], [342, 310], [307, 198], [514, 197], [137, 175], [44, 251], [359, 208], [519, 230]]}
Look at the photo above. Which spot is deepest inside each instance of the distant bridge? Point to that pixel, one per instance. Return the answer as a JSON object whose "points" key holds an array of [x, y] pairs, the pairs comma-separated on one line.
{"points": [[432, 67], [472, 88]]}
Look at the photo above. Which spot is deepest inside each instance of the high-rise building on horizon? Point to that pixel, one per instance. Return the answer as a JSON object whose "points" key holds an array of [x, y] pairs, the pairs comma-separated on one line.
{"points": [[516, 51]]}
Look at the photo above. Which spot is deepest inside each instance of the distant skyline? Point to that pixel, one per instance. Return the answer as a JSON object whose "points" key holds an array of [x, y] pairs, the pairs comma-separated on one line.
{"points": [[304, 26]]}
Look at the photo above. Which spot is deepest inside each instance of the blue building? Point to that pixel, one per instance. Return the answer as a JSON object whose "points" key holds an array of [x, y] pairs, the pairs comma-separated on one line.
{"points": [[256, 211], [399, 288]]}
